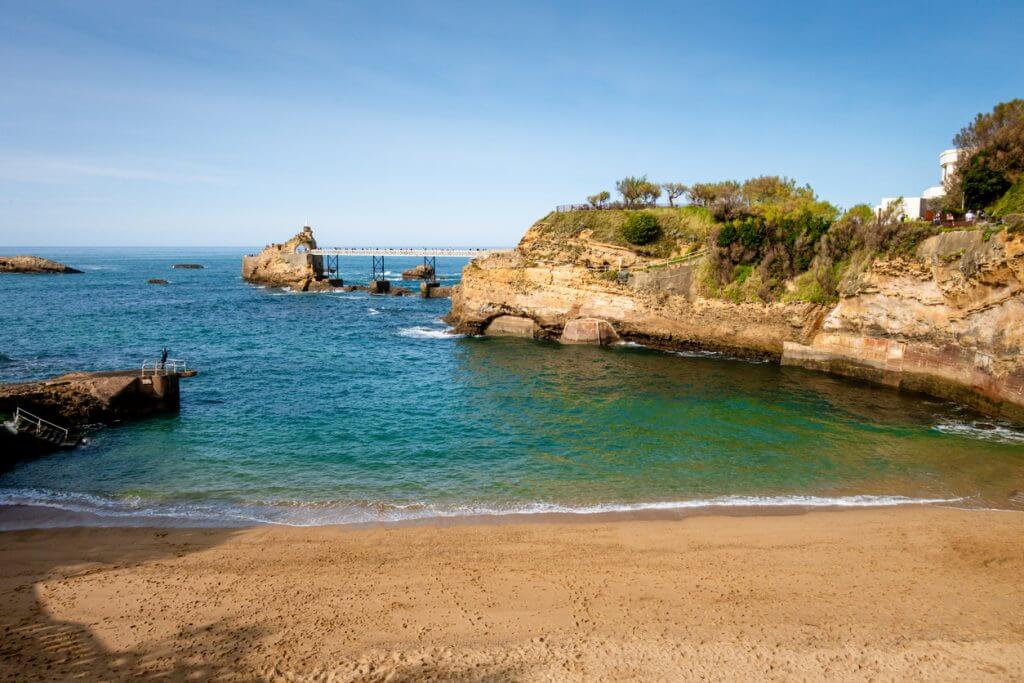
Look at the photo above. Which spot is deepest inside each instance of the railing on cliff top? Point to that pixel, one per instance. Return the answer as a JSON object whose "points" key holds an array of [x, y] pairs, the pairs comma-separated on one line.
{"points": [[613, 206], [171, 366]]}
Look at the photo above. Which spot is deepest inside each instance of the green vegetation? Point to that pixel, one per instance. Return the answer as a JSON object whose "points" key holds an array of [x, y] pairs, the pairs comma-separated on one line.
{"points": [[638, 191], [686, 225], [599, 200], [640, 228], [991, 158], [770, 239], [1011, 202], [673, 191]]}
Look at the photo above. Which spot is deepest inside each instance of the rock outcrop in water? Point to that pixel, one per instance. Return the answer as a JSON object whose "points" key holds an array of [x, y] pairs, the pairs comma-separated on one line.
{"points": [[948, 320], [33, 265], [288, 265], [420, 272]]}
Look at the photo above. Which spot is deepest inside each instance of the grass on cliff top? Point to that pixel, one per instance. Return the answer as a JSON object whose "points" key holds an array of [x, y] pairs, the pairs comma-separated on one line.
{"points": [[1011, 202], [685, 224]]}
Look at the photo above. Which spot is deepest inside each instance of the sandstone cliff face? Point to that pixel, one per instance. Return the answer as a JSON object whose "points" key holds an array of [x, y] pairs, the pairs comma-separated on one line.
{"points": [[547, 285], [287, 265], [949, 321]]}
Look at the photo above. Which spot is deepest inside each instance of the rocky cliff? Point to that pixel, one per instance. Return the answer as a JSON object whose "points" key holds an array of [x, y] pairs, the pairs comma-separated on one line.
{"points": [[33, 265], [948, 320], [287, 265]]}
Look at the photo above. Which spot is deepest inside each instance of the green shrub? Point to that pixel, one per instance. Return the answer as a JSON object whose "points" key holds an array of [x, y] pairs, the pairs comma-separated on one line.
{"points": [[640, 228], [1011, 202]]}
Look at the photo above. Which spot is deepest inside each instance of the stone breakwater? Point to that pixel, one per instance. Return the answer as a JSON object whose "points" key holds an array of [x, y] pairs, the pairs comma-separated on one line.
{"points": [[948, 321]]}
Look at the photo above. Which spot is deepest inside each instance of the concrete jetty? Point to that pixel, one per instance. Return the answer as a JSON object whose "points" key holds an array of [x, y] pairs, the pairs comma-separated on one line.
{"points": [[47, 415]]}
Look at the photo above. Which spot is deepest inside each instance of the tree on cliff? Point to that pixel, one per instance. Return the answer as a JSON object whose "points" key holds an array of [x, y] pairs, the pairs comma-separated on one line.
{"points": [[991, 157], [650, 193], [674, 191], [632, 189], [599, 200]]}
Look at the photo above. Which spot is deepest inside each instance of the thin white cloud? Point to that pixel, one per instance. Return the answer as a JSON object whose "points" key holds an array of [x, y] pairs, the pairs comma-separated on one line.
{"points": [[48, 169]]}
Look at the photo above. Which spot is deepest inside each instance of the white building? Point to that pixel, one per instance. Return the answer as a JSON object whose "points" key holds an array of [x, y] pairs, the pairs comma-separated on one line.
{"points": [[928, 202]]}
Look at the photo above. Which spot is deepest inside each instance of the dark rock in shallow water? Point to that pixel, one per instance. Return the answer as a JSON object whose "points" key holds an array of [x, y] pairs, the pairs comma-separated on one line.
{"points": [[189, 266], [156, 281], [32, 265]]}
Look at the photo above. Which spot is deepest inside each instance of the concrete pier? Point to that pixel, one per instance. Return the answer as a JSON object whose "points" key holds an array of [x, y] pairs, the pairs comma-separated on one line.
{"points": [[72, 401]]}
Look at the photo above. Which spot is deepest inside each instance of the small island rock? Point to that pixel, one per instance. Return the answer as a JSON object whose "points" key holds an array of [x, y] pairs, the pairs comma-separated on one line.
{"points": [[421, 272], [33, 265], [156, 281], [188, 266]]}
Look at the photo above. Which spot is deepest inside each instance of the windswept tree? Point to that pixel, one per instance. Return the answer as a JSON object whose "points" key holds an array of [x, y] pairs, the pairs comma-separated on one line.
{"points": [[724, 199], [702, 194], [650, 193], [768, 189], [633, 189], [599, 200], [673, 191]]}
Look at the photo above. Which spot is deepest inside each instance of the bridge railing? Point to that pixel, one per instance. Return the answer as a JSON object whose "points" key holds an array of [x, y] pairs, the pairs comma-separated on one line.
{"points": [[401, 251]]}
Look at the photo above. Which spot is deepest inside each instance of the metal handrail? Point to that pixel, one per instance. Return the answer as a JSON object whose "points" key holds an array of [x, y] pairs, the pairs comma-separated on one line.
{"points": [[167, 367], [21, 415]]}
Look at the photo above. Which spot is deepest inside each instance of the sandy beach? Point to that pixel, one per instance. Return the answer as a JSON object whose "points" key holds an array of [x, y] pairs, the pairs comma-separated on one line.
{"points": [[889, 593]]}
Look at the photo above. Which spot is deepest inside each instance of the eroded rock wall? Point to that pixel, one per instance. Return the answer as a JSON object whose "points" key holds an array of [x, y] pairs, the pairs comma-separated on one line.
{"points": [[286, 265], [949, 321]]}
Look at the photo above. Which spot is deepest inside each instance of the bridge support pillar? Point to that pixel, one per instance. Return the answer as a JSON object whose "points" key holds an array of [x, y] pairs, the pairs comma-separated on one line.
{"points": [[379, 286]]}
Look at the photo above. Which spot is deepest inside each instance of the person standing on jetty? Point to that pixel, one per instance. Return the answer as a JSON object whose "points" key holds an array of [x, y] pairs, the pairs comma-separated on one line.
{"points": [[163, 358]]}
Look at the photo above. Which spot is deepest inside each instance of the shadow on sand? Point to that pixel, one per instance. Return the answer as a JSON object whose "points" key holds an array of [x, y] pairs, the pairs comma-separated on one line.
{"points": [[35, 645]]}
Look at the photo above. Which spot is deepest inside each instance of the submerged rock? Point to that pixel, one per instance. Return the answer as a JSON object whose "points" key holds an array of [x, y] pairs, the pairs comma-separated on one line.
{"points": [[33, 265], [157, 281], [188, 266]]}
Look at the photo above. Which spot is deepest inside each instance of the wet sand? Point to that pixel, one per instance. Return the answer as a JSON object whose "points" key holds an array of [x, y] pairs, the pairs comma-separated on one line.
{"points": [[879, 593]]}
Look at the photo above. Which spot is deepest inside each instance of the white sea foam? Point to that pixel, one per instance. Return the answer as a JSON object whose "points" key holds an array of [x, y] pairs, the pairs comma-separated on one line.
{"points": [[99, 510], [996, 432], [372, 311], [695, 353], [422, 332]]}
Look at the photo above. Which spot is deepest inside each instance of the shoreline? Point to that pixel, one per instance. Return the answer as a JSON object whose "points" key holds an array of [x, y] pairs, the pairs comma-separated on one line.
{"points": [[16, 517], [905, 592]]}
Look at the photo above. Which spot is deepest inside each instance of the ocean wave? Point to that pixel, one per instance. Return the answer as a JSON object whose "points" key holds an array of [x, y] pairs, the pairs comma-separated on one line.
{"points": [[996, 432], [421, 332], [372, 311], [133, 510]]}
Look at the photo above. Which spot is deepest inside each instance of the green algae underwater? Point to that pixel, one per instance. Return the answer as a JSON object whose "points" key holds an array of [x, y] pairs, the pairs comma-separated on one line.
{"points": [[342, 407]]}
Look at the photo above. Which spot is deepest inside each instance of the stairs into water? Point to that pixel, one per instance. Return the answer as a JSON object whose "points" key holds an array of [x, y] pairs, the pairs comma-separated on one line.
{"points": [[25, 424]]}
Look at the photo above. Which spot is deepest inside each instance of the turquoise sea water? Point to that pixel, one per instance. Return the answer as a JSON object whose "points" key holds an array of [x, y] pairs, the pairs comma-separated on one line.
{"points": [[318, 408]]}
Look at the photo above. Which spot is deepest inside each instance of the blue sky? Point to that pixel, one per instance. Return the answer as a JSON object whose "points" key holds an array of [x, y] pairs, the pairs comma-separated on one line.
{"points": [[232, 123]]}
